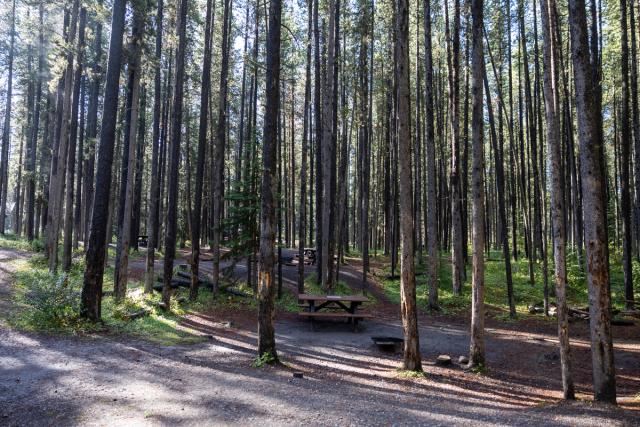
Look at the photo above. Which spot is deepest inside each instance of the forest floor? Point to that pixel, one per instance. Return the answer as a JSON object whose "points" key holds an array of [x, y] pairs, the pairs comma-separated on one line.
{"points": [[119, 379]]}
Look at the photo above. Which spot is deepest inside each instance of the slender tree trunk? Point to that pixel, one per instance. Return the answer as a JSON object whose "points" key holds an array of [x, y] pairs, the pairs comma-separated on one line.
{"points": [[92, 287], [431, 220], [139, 170], [625, 158], [502, 211], [552, 106], [303, 167], [18, 186], [154, 189], [77, 215], [266, 273], [92, 131], [593, 190], [71, 155], [453, 56], [58, 165], [317, 112], [363, 135], [636, 122], [174, 156], [477, 347], [202, 144], [121, 273], [328, 151], [33, 144], [6, 133], [408, 308], [219, 149]]}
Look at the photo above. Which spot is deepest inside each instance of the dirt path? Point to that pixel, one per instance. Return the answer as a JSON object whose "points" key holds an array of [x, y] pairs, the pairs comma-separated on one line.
{"points": [[347, 381]]}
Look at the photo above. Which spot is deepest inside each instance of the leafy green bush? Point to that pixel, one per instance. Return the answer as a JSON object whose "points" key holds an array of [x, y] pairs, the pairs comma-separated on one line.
{"points": [[265, 359], [53, 304]]}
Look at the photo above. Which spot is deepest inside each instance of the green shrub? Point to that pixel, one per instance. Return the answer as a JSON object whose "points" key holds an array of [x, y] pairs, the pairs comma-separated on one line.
{"points": [[53, 304], [264, 359]]}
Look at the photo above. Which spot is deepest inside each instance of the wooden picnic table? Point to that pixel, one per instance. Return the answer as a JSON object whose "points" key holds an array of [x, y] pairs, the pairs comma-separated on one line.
{"points": [[340, 306]]}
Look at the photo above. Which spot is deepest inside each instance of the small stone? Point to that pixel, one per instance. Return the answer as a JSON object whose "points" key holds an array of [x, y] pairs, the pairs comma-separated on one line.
{"points": [[298, 375], [443, 360], [463, 360]]}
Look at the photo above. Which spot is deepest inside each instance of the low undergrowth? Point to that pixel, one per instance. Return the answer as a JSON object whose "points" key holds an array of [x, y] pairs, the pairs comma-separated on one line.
{"points": [[525, 293], [263, 360], [11, 241], [287, 302], [50, 303], [403, 373]]}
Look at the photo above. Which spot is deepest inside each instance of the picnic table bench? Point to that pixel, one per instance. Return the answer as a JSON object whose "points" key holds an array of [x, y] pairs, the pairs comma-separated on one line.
{"points": [[332, 306]]}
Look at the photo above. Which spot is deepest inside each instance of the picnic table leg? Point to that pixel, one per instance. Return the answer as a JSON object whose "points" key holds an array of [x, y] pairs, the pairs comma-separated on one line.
{"points": [[312, 308], [352, 309]]}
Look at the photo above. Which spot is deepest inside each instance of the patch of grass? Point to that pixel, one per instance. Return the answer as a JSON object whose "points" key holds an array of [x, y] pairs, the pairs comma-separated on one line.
{"points": [[525, 293], [207, 300], [403, 373], [11, 241], [264, 359], [479, 369], [505, 317], [50, 303], [313, 286]]}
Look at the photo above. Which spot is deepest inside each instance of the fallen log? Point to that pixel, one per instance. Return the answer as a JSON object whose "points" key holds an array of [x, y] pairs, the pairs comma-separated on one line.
{"points": [[622, 322], [232, 291], [203, 281], [137, 314], [184, 281], [578, 313], [175, 284], [630, 313]]}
